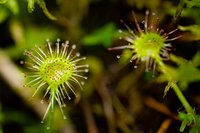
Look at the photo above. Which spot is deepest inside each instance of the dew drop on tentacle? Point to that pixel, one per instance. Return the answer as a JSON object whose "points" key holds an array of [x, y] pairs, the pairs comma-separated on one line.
{"points": [[120, 31], [82, 83], [135, 66], [118, 56], [78, 54], [86, 70], [146, 20], [42, 101], [21, 62], [74, 46]]}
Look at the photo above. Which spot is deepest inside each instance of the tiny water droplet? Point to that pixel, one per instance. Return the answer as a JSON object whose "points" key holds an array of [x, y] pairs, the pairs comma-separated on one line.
{"points": [[120, 31], [82, 83], [48, 128], [142, 21], [21, 62], [77, 54], [135, 66], [118, 56], [74, 46], [42, 121], [58, 39], [147, 12], [67, 42]]}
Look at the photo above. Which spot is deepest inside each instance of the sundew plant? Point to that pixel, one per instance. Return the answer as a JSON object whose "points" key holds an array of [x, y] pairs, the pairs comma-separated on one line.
{"points": [[105, 66], [57, 69]]}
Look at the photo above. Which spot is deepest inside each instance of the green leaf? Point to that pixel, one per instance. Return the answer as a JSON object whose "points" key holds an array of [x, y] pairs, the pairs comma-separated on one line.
{"points": [[192, 3], [195, 29], [187, 119], [196, 127], [103, 36], [196, 59], [185, 73]]}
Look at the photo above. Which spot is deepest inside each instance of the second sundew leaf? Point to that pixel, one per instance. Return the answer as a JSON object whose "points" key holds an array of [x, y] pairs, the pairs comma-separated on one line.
{"points": [[192, 3], [185, 73], [104, 35]]}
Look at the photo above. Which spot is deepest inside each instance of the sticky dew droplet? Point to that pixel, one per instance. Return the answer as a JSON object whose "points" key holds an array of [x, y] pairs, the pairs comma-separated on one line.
{"points": [[120, 31], [82, 83], [42, 101], [77, 54], [135, 66]]}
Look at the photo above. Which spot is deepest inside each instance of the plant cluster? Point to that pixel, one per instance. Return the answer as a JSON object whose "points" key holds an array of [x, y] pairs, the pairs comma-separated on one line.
{"points": [[121, 94]]}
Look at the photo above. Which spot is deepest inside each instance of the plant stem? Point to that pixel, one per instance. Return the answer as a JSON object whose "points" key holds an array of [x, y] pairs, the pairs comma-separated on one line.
{"points": [[182, 98], [49, 128], [179, 9]]}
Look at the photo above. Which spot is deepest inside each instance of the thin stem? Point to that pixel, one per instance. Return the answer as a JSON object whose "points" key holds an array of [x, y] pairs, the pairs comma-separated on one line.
{"points": [[49, 126], [182, 98], [179, 10]]}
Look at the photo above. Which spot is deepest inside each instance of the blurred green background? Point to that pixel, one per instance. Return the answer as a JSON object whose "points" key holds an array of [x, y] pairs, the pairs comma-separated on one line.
{"points": [[116, 97]]}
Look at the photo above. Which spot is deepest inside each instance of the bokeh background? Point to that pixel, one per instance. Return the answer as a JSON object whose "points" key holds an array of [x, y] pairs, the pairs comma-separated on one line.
{"points": [[117, 98]]}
